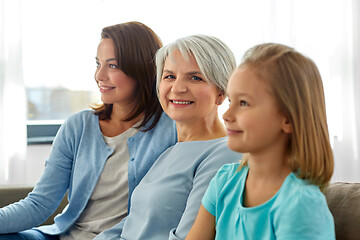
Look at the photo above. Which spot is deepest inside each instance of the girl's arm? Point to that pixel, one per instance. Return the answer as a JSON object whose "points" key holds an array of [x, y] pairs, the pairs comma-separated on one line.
{"points": [[204, 226]]}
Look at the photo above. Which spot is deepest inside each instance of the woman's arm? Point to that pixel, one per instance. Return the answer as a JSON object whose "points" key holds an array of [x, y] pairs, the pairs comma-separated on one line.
{"points": [[204, 226], [48, 192]]}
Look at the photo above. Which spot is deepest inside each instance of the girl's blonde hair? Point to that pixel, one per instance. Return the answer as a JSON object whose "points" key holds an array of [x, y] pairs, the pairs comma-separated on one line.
{"points": [[296, 84]]}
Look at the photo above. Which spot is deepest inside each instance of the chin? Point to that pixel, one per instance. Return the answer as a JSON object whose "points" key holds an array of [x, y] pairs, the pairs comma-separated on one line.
{"points": [[235, 147], [177, 117]]}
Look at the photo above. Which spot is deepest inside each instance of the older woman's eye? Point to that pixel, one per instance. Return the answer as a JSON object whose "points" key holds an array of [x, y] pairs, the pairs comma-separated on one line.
{"points": [[196, 78], [169, 77]]}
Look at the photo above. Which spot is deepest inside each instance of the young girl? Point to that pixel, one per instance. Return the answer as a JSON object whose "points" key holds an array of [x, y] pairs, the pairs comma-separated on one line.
{"points": [[277, 116]]}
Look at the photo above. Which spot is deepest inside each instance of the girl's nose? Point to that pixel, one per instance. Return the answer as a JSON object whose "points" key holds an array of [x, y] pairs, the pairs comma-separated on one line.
{"points": [[228, 115]]}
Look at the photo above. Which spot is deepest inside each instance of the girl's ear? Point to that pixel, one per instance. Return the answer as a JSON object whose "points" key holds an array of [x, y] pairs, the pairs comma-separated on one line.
{"points": [[286, 126]]}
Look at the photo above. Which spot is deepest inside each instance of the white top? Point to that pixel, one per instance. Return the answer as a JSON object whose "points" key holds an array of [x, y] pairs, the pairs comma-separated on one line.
{"points": [[109, 201]]}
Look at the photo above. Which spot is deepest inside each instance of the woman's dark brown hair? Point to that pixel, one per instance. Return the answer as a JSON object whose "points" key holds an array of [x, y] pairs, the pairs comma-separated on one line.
{"points": [[135, 47]]}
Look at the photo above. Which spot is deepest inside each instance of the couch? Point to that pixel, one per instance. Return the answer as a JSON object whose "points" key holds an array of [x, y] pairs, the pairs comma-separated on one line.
{"points": [[343, 200]]}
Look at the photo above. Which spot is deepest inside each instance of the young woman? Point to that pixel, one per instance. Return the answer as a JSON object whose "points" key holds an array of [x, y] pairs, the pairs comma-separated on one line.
{"points": [[192, 76], [100, 155], [277, 116]]}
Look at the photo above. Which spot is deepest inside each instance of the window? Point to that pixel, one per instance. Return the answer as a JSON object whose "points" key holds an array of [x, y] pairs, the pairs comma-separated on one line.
{"points": [[60, 39]]}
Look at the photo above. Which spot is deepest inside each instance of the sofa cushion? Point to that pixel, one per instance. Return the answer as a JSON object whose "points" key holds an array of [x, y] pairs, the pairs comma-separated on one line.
{"points": [[344, 203]]}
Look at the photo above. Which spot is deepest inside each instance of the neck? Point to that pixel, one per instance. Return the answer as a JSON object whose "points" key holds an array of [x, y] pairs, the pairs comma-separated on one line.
{"points": [[270, 166], [116, 124], [200, 130]]}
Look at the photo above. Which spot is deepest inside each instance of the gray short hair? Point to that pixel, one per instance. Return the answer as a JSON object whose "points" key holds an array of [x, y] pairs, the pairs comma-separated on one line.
{"points": [[214, 58]]}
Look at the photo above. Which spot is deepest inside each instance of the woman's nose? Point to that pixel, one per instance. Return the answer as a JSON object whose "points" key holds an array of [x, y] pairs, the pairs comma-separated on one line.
{"points": [[179, 86], [100, 74]]}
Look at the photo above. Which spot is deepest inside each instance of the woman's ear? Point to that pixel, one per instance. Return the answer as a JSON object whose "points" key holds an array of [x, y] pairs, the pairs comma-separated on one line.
{"points": [[220, 99]]}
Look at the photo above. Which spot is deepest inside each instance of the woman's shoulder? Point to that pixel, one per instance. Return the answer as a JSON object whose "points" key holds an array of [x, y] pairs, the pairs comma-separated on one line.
{"points": [[219, 149], [163, 126], [80, 121], [163, 133], [83, 116], [217, 144]]}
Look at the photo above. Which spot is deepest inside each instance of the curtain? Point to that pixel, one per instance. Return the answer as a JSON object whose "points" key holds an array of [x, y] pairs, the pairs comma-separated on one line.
{"points": [[347, 142], [328, 32], [12, 95]]}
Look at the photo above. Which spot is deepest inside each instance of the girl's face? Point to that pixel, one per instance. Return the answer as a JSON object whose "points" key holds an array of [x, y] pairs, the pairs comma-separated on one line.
{"points": [[115, 86], [184, 94], [253, 121]]}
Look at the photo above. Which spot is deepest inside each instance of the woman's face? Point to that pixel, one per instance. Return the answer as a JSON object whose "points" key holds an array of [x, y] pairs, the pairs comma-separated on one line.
{"points": [[115, 86], [184, 94]]}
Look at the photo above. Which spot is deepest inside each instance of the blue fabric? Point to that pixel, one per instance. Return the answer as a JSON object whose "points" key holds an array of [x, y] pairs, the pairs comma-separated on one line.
{"points": [[76, 161], [297, 211], [28, 235], [165, 203]]}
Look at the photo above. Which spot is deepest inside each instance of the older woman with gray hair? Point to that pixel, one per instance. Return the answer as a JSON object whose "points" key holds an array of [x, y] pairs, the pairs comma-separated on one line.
{"points": [[192, 75]]}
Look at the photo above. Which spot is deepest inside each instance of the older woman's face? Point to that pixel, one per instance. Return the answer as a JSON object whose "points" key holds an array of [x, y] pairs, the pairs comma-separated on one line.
{"points": [[184, 94]]}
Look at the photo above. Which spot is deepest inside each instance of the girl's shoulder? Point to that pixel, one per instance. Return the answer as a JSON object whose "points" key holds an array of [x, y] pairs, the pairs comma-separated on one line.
{"points": [[298, 192], [230, 168], [231, 171], [302, 204]]}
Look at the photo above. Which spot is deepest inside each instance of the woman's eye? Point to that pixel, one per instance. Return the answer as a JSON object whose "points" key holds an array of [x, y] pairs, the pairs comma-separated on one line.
{"points": [[196, 78], [243, 103], [97, 64], [169, 77], [113, 66]]}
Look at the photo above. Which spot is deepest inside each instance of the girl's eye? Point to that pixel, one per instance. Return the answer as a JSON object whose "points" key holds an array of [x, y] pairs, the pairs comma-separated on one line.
{"points": [[243, 103], [196, 78]]}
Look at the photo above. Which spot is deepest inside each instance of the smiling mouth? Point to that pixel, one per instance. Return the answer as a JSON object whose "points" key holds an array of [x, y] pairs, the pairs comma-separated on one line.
{"points": [[231, 132], [105, 88], [181, 102]]}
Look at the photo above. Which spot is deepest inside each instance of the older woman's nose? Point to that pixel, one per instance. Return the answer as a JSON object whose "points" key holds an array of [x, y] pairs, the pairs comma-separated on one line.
{"points": [[179, 86]]}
